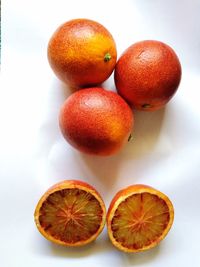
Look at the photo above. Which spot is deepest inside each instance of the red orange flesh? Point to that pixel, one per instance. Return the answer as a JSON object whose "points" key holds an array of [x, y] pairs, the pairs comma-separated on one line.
{"points": [[138, 218], [71, 213], [96, 121]]}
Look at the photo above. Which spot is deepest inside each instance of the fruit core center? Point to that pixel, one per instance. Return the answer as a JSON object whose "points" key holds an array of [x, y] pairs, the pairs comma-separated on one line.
{"points": [[67, 214], [138, 223]]}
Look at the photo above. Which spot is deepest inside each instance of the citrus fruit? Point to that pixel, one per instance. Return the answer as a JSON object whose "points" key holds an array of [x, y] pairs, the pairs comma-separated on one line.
{"points": [[148, 74], [138, 218], [82, 52], [96, 121], [71, 213]]}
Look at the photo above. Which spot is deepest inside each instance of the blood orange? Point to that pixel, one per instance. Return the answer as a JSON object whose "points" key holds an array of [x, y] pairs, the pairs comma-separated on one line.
{"points": [[138, 218], [148, 74], [82, 53], [96, 121], [71, 213]]}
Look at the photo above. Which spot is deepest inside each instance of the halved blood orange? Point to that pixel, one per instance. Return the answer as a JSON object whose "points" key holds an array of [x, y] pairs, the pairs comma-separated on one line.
{"points": [[138, 218], [71, 213]]}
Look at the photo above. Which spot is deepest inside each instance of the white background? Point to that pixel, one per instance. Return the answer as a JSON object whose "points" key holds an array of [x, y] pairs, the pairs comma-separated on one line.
{"points": [[164, 152]]}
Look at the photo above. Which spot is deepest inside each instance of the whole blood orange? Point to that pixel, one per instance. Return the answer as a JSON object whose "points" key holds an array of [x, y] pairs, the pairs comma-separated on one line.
{"points": [[138, 218], [82, 52], [71, 213], [147, 74], [96, 121]]}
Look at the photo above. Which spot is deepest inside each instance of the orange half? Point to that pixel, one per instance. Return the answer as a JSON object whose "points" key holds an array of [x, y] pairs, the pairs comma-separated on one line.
{"points": [[138, 218], [71, 213]]}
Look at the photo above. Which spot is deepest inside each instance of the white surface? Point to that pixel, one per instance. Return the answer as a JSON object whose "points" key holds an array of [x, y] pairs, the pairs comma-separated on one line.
{"points": [[164, 153]]}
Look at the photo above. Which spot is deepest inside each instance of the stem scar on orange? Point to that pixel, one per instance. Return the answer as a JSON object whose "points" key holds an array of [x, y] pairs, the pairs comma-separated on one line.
{"points": [[71, 213], [138, 218], [82, 52]]}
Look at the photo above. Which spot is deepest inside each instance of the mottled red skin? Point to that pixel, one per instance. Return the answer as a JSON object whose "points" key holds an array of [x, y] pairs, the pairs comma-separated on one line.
{"points": [[148, 74], [76, 53], [96, 121]]}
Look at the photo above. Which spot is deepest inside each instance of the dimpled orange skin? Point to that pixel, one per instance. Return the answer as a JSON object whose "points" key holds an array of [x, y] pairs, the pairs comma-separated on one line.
{"points": [[96, 121], [82, 52], [121, 196], [70, 184], [148, 74]]}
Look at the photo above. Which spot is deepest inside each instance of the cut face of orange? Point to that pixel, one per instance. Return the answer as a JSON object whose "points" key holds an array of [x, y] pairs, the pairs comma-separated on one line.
{"points": [[71, 213], [138, 218]]}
